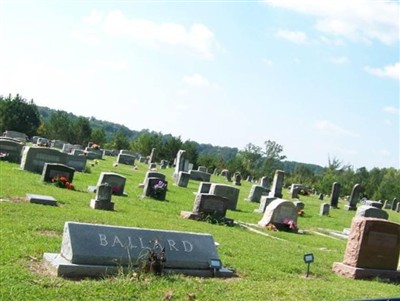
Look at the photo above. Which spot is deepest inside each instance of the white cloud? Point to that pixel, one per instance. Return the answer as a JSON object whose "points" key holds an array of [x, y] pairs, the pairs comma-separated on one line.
{"points": [[198, 37], [339, 60], [356, 20], [391, 71], [391, 110], [384, 152], [94, 18], [331, 128], [297, 37], [197, 80], [114, 65]]}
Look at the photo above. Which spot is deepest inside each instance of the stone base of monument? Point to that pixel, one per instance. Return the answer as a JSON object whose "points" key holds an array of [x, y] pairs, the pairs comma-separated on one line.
{"points": [[42, 199], [202, 217], [61, 267], [363, 273], [103, 205]]}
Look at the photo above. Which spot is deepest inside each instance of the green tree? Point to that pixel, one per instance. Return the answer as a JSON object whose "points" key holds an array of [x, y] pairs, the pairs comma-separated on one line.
{"points": [[17, 114], [99, 136], [120, 141], [170, 148], [82, 131], [60, 126], [389, 187], [272, 158], [251, 158], [145, 142]]}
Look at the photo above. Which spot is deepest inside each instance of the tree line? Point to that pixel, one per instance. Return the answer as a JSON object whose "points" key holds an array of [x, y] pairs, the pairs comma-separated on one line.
{"points": [[16, 113]]}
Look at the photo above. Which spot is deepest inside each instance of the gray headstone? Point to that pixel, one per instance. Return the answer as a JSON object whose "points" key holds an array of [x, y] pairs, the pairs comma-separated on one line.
{"points": [[103, 198], [324, 209], [394, 204], [41, 199], [94, 250], [202, 169], [210, 204], [277, 184], [369, 211], [126, 159], [180, 162], [183, 179], [354, 197], [155, 188], [278, 212], [226, 191], [238, 179], [116, 181], [299, 205], [77, 162], [256, 193], [55, 170], [264, 202], [34, 158], [199, 176], [321, 197], [264, 182], [375, 204], [153, 174], [13, 150], [152, 157], [335, 194], [204, 187]]}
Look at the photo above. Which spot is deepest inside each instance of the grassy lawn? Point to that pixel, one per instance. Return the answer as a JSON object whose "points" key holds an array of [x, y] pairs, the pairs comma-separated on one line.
{"points": [[267, 268]]}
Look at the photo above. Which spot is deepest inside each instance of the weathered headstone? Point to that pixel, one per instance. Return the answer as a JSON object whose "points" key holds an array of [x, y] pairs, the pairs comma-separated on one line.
{"points": [[224, 172], [126, 159], [369, 211], [77, 162], [57, 144], [256, 193], [13, 150], [153, 174], [394, 204], [164, 164], [183, 179], [321, 197], [41, 199], [299, 206], [67, 148], [55, 170], [202, 169], [264, 182], [116, 181], [207, 204], [277, 184], [197, 175], [152, 157], [324, 209], [387, 204], [34, 158], [353, 199], [398, 207], [227, 191], [90, 250], [373, 250], [153, 166], [280, 213], [180, 162], [264, 202], [335, 194], [295, 192], [238, 179], [204, 187], [103, 198], [155, 188]]}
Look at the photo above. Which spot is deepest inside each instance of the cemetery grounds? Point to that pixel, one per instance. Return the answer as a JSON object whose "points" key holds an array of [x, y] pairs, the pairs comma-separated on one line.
{"points": [[268, 265]]}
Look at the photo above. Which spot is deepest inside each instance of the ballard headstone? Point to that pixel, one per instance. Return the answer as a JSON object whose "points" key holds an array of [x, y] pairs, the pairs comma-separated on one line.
{"points": [[90, 250]]}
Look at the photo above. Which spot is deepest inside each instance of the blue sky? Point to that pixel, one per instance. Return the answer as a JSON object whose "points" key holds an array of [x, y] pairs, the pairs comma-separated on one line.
{"points": [[321, 78]]}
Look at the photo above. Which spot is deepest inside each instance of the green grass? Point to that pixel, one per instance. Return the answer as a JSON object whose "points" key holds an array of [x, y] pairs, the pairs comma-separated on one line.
{"points": [[267, 268]]}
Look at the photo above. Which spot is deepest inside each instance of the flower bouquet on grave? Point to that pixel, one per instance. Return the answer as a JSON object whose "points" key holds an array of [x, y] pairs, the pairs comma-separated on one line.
{"points": [[159, 190], [290, 225], [300, 212], [62, 182]]}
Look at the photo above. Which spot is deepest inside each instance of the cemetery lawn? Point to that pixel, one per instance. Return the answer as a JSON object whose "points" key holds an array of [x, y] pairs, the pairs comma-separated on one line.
{"points": [[267, 267]]}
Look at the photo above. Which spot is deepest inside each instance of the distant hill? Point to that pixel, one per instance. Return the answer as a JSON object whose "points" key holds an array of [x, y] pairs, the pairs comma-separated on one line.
{"points": [[224, 152]]}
